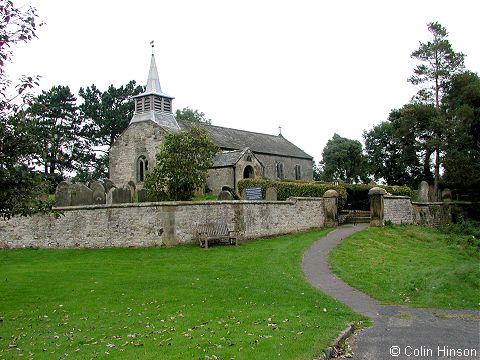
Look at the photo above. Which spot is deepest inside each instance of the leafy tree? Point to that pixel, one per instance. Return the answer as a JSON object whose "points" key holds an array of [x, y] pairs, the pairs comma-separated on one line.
{"points": [[20, 185], [192, 115], [317, 172], [462, 149], [391, 154], [58, 125], [181, 165], [438, 64], [342, 159], [105, 115]]}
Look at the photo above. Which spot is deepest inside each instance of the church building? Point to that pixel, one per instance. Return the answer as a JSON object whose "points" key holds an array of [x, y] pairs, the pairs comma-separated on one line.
{"points": [[243, 154]]}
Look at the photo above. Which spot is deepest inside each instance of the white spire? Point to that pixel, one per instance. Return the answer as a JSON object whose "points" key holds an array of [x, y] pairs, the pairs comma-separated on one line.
{"points": [[153, 82]]}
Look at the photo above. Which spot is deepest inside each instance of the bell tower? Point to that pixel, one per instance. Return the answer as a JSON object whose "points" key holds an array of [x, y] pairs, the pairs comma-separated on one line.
{"points": [[153, 104]]}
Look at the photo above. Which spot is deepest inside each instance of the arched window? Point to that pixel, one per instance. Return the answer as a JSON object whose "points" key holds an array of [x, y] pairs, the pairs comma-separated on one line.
{"points": [[280, 173], [142, 168], [298, 172]]}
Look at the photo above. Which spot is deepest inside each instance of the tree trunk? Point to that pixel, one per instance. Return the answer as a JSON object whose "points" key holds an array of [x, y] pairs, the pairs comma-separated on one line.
{"points": [[436, 173]]}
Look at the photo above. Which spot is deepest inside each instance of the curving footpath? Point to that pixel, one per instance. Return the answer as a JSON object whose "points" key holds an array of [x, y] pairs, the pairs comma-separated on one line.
{"points": [[398, 332]]}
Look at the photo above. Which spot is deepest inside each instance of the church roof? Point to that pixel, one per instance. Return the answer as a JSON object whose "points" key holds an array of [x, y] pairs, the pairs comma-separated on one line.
{"points": [[234, 139], [227, 158]]}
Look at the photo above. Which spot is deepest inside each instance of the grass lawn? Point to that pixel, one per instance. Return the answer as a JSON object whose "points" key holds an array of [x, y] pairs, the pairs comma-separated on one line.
{"points": [[245, 302], [411, 265]]}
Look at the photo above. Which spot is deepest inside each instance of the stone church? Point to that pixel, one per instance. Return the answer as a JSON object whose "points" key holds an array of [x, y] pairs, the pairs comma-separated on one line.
{"points": [[243, 154]]}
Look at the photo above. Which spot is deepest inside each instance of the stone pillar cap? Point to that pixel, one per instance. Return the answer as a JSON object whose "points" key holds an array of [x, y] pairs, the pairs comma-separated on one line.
{"points": [[330, 194], [377, 191]]}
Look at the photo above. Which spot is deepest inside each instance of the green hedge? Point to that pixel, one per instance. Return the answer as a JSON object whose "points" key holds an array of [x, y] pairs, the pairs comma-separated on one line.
{"points": [[286, 189], [354, 196]]}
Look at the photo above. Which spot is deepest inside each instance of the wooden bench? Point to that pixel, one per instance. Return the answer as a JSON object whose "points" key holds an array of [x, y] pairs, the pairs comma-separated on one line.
{"points": [[215, 232]]}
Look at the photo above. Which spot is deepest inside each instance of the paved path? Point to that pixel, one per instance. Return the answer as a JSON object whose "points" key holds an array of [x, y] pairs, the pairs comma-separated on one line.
{"points": [[413, 333]]}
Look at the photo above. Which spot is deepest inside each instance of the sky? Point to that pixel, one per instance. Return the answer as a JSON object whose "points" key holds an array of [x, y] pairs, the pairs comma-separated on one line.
{"points": [[314, 68]]}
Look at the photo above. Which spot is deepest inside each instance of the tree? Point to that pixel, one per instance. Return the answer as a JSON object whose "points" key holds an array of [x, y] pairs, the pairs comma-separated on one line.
{"points": [[192, 115], [462, 150], [105, 115], [181, 165], [20, 185], [390, 156], [438, 64], [58, 126], [342, 159]]}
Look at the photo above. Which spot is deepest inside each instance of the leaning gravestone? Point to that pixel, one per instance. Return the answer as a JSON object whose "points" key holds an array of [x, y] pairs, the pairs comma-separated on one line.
{"points": [[271, 194], [63, 196], [119, 196], [225, 195], [81, 195], [99, 195], [423, 191]]}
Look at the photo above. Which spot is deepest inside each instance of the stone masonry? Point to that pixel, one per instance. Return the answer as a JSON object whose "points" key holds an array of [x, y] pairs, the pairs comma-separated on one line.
{"points": [[154, 224]]}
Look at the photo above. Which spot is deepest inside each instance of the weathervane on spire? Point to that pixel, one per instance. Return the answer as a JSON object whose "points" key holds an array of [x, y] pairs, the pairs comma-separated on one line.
{"points": [[153, 45], [280, 130]]}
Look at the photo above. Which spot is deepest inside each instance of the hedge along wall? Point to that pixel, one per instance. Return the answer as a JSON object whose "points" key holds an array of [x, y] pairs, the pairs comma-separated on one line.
{"points": [[287, 189]]}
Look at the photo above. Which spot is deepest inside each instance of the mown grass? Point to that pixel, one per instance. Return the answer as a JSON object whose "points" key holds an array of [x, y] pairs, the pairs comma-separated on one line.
{"points": [[411, 265], [245, 302]]}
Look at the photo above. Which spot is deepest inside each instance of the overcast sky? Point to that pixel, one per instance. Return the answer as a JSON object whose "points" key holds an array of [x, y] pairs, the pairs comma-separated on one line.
{"points": [[314, 68]]}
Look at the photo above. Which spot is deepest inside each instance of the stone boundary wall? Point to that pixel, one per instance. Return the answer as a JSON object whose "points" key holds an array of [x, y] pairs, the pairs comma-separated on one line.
{"points": [[155, 224], [401, 210], [398, 210]]}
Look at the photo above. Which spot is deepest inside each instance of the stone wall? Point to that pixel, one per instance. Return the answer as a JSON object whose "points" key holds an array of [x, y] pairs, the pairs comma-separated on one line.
{"points": [[401, 210], [398, 210], [432, 214], [154, 224], [142, 138], [270, 166]]}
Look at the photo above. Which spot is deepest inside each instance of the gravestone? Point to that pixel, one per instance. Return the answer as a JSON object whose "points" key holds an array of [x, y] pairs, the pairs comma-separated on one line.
{"points": [[231, 191], [141, 195], [423, 190], [99, 195], [63, 196], [108, 184], [81, 195], [119, 196], [225, 195], [447, 195], [253, 193], [271, 194], [131, 186]]}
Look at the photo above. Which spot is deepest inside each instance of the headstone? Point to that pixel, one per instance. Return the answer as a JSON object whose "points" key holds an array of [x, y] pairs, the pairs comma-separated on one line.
{"points": [[142, 195], [253, 193], [81, 195], [63, 196], [108, 184], [119, 196], [423, 190], [231, 191], [99, 195], [447, 195], [271, 194], [225, 195], [131, 186]]}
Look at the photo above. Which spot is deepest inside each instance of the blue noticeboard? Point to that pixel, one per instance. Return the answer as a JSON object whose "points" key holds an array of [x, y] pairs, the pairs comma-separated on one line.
{"points": [[253, 193]]}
